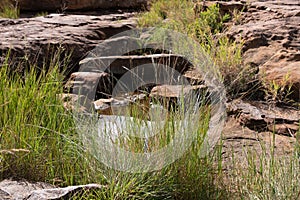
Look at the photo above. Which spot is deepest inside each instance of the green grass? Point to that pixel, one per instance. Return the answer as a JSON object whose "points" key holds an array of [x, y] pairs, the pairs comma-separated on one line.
{"points": [[267, 176], [39, 140], [206, 28], [37, 135], [9, 9]]}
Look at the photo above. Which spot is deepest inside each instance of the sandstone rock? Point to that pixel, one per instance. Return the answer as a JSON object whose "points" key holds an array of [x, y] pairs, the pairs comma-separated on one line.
{"points": [[121, 64], [91, 84], [10, 189], [270, 34], [62, 5], [77, 103], [171, 96], [136, 105], [38, 37], [239, 142], [260, 116]]}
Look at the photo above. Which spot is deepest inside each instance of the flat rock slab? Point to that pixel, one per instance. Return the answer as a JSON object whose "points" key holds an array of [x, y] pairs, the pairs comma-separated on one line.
{"points": [[261, 117], [91, 84], [19, 190], [46, 5], [79, 33], [121, 64]]}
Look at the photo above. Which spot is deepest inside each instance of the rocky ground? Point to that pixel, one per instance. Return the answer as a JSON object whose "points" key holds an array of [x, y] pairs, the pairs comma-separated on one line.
{"points": [[269, 31]]}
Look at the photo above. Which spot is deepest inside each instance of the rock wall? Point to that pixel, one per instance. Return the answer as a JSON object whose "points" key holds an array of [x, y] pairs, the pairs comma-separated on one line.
{"points": [[46, 5]]}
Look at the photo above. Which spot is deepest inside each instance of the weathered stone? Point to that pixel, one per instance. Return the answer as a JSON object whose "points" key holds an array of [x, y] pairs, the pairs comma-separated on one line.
{"points": [[23, 189], [270, 34], [121, 64], [136, 105], [62, 5], [260, 116], [20, 189], [170, 96], [91, 84], [77, 103], [238, 141], [38, 37]]}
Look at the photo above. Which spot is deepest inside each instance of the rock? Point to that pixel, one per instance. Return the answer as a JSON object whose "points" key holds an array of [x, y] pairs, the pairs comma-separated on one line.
{"points": [[60, 193], [62, 5], [194, 76], [260, 117], [270, 34], [38, 37], [77, 103], [239, 142], [171, 95], [284, 68], [120, 64], [136, 105], [91, 84], [10, 189]]}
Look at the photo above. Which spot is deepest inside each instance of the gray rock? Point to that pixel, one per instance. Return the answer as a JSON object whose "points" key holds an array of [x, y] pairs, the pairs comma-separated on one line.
{"points": [[24, 190], [91, 84]]}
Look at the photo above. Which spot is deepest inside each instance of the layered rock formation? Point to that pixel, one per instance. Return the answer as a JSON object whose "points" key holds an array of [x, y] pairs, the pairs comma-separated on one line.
{"points": [[47, 5]]}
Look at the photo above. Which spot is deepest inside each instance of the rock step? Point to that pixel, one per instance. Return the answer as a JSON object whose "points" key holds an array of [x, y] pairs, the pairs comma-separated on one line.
{"points": [[119, 65], [77, 33], [261, 117], [91, 84], [54, 5]]}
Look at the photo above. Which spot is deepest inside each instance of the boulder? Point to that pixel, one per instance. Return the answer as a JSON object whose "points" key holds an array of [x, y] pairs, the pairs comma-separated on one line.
{"points": [[91, 84], [62, 5], [136, 105], [76, 103]]}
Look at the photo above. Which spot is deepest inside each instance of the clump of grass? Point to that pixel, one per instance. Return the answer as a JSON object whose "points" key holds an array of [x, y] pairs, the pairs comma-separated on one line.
{"points": [[8, 9], [37, 136], [266, 176]]}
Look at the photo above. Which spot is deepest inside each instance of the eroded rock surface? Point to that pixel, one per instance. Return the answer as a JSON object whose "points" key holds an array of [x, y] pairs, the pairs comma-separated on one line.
{"points": [[43, 5], [39, 36], [19, 190], [271, 37]]}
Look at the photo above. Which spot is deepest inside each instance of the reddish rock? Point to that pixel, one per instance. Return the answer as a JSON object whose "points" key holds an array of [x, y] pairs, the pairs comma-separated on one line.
{"points": [[38, 37], [270, 33], [63, 5]]}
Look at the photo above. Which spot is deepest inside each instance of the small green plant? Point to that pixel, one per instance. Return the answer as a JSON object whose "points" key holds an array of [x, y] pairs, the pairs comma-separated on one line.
{"points": [[278, 91], [9, 9], [41, 14]]}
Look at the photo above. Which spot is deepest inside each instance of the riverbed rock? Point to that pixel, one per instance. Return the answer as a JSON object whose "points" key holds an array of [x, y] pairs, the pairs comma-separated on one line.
{"points": [[38, 37], [260, 116], [22, 189], [120, 64], [91, 84], [76, 103], [63, 5], [270, 33]]}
